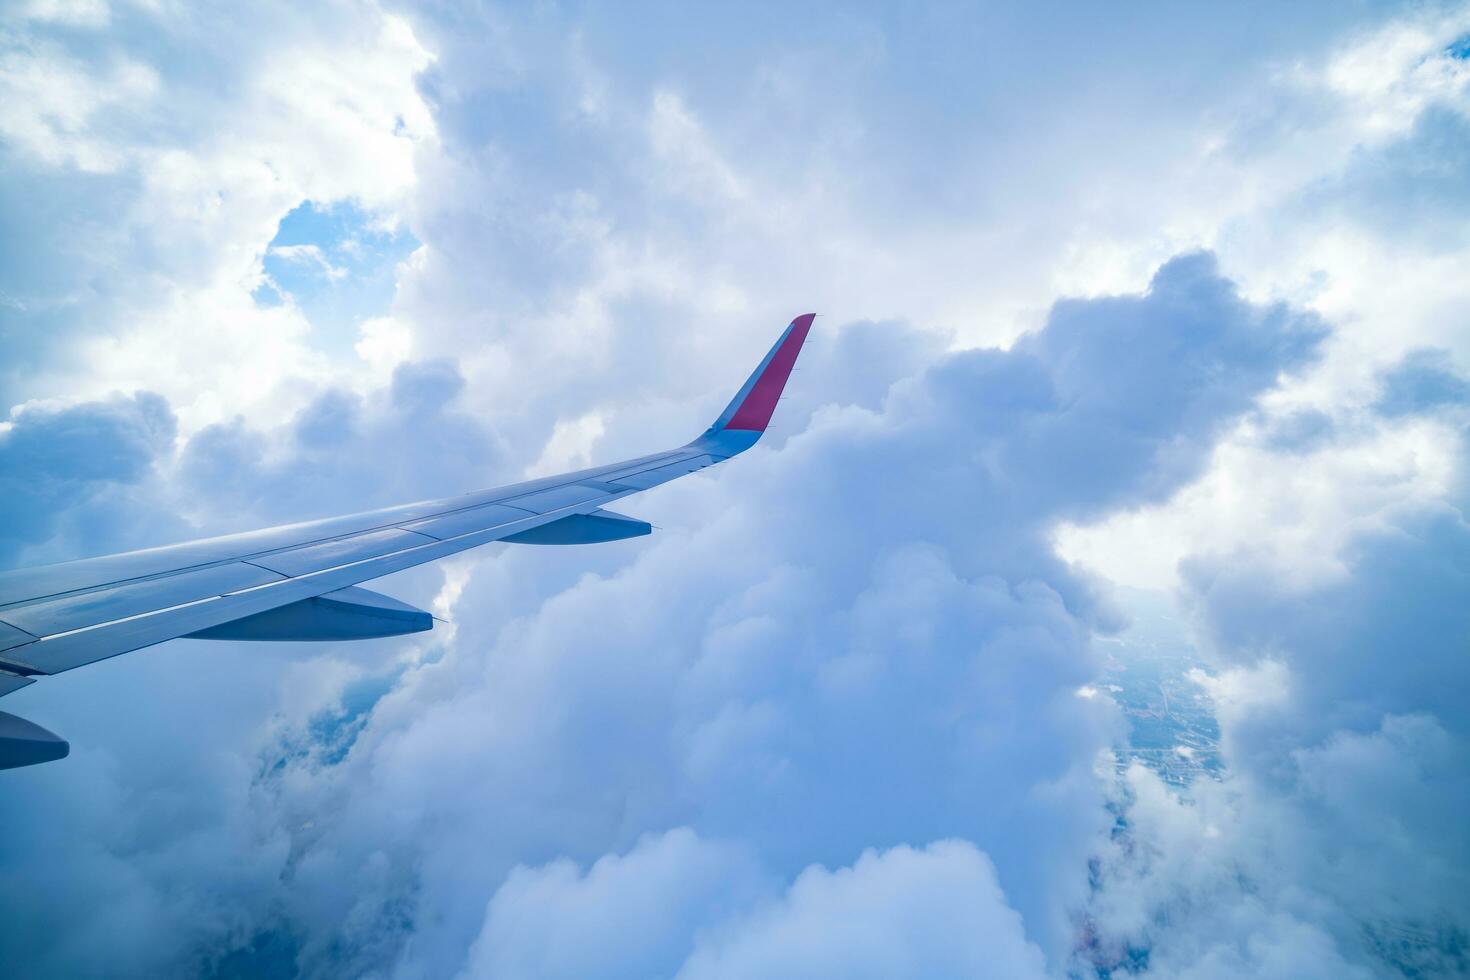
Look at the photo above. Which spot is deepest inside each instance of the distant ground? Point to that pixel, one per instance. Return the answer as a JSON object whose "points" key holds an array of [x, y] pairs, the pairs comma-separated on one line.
{"points": [[1171, 718]]}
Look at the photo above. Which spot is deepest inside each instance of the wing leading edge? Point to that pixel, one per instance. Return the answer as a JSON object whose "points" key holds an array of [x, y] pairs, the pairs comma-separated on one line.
{"points": [[299, 581]]}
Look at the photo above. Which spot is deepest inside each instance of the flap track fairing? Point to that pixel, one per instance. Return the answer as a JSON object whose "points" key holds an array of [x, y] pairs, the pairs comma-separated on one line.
{"points": [[352, 613], [593, 528]]}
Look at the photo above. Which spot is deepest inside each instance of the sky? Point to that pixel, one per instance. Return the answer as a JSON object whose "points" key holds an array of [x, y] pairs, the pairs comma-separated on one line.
{"points": [[1159, 306]]}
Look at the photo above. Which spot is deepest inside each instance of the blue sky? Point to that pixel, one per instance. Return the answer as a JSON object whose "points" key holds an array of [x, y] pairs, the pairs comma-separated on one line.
{"points": [[337, 264], [1159, 308]]}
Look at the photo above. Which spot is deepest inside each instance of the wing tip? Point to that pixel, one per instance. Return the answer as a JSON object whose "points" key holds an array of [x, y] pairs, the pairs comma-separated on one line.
{"points": [[753, 407]]}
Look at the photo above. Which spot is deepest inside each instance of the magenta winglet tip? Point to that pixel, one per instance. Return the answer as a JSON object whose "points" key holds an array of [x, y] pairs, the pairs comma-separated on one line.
{"points": [[754, 413]]}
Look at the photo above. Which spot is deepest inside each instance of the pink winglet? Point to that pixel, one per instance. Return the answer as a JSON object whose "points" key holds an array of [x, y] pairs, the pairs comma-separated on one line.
{"points": [[754, 413]]}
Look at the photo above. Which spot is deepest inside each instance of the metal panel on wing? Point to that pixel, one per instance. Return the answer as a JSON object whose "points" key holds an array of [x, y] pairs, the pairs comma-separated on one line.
{"points": [[342, 551], [81, 609], [663, 474], [616, 474], [465, 521], [49, 580], [12, 637], [556, 498]]}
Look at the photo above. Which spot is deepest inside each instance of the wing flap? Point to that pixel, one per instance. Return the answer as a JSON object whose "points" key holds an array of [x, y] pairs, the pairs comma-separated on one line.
{"points": [[340, 551], [466, 521]]}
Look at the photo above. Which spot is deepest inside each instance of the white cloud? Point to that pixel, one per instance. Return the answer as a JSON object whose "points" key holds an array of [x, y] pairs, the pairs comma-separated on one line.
{"points": [[309, 254], [331, 113], [1297, 510], [385, 343], [53, 102], [76, 13], [1393, 74], [1329, 848], [570, 446], [935, 912], [636, 915]]}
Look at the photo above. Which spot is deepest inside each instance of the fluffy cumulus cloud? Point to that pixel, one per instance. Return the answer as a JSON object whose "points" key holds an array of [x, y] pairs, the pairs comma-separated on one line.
{"points": [[632, 915], [841, 715], [1335, 847], [681, 906], [763, 675], [332, 449], [150, 156], [54, 459], [930, 913]]}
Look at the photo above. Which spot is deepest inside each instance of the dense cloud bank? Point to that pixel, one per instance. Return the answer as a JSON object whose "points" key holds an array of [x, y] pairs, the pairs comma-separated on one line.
{"points": [[858, 641], [1336, 845], [52, 459]]}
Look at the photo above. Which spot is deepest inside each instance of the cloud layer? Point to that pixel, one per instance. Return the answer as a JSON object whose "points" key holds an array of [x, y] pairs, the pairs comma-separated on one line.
{"points": [[840, 716], [822, 655]]}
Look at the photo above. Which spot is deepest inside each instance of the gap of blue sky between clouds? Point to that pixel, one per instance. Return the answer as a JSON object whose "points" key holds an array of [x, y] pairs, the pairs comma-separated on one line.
{"points": [[338, 264]]}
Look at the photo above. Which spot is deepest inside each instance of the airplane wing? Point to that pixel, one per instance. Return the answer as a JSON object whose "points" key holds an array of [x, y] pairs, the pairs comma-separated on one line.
{"points": [[300, 581]]}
